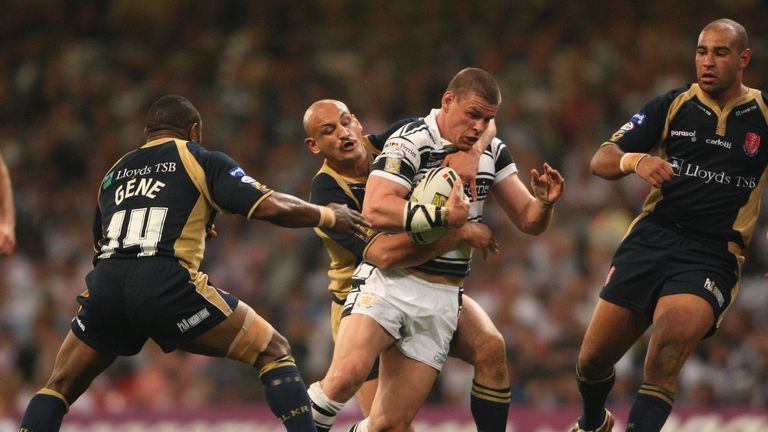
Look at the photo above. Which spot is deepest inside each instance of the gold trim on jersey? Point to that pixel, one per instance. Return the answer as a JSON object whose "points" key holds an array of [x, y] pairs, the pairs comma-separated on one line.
{"points": [[342, 265], [194, 170], [256, 204], [746, 218], [343, 262], [190, 245], [674, 107], [370, 148], [722, 114], [200, 280], [159, 141]]}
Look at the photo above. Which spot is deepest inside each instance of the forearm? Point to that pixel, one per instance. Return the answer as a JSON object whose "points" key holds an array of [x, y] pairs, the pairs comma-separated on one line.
{"points": [[287, 211], [389, 251], [606, 162], [538, 214]]}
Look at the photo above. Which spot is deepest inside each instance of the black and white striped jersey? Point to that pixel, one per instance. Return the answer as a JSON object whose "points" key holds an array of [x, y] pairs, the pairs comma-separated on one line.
{"points": [[417, 147]]}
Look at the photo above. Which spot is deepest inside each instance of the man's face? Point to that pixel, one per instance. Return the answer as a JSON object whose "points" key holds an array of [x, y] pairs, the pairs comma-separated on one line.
{"points": [[335, 133], [719, 60], [465, 118]]}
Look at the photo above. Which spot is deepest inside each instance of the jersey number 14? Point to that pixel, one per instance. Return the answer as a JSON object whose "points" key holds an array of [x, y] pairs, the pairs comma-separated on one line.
{"points": [[144, 231]]}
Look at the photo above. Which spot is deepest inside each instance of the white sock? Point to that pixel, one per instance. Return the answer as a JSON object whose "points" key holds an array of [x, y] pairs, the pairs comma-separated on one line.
{"points": [[324, 409], [360, 427]]}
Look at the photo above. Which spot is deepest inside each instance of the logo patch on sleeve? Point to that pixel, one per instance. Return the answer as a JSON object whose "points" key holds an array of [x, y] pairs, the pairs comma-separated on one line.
{"points": [[236, 172]]}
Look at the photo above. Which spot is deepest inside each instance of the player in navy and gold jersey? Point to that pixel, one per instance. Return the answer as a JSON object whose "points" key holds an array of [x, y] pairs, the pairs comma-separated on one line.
{"points": [[155, 206], [336, 134], [700, 147], [7, 214]]}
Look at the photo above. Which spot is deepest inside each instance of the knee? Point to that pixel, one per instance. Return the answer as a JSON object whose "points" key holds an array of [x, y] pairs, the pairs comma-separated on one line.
{"points": [[345, 378], [592, 366], [278, 346], [669, 351], [491, 353]]}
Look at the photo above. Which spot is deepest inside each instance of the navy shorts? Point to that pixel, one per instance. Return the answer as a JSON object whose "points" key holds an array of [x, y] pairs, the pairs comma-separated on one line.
{"points": [[131, 300], [656, 260]]}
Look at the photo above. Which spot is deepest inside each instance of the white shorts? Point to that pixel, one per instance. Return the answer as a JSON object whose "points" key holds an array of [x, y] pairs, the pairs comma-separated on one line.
{"points": [[420, 315]]}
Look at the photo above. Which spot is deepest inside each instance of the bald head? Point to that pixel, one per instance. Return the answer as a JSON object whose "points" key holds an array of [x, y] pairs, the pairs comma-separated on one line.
{"points": [[319, 111], [740, 39]]}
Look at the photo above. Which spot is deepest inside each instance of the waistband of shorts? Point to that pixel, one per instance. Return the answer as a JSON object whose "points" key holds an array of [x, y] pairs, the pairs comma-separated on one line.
{"points": [[454, 281], [668, 224]]}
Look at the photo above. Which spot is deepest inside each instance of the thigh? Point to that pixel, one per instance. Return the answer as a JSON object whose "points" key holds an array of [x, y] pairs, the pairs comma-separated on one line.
{"points": [[404, 385], [475, 330], [611, 332], [709, 276]]}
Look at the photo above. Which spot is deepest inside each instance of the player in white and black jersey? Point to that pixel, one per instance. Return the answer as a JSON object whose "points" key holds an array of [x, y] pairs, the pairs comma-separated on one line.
{"points": [[409, 316]]}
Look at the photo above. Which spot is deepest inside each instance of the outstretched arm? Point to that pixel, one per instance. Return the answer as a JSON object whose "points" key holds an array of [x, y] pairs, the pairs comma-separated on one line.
{"points": [[7, 215], [289, 211], [530, 212]]}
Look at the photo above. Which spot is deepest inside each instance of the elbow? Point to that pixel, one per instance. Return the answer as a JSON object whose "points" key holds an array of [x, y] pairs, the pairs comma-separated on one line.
{"points": [[533, 230], [594, 167], [384, 261], [374, 216]]}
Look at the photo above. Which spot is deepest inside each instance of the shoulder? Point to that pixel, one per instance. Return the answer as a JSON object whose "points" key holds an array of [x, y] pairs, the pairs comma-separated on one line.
{"points": [[324, 181]]}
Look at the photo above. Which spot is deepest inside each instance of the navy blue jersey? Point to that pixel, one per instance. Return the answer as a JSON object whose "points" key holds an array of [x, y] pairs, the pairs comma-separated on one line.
{"points": [[717, 156], [345, 251], [160, 199], [328, 186]]}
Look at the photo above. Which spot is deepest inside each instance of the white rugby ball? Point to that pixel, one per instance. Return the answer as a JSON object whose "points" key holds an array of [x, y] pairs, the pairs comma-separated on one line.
{"points": [[433, 188]]}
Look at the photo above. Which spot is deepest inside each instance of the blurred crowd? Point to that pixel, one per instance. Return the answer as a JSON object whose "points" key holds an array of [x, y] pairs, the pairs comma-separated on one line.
{"points": [[76, 79]]}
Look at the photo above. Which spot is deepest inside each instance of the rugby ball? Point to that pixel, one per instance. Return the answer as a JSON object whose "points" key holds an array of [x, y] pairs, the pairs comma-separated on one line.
{"points": [[433, 188]]}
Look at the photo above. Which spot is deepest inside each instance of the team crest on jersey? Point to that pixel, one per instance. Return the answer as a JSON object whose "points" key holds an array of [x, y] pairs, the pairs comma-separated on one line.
{"points": [[392, 165], [366, 300], [751, 144]]}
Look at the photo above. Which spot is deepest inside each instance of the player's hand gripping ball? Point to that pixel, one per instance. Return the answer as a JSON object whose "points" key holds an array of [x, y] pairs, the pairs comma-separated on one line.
{"points": [[433, 188]]}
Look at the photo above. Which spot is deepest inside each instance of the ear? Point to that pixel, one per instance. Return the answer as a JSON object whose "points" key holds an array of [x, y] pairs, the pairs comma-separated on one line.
{"points": [[744, 58], [312, 145], [447, 100], [195, 133]]}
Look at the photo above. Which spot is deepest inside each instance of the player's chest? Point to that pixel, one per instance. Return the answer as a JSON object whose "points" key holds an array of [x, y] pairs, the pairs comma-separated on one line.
{"points": [[735, 143]]}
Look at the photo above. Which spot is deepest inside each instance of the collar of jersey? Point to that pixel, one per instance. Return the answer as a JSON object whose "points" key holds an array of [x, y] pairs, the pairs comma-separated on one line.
{"points": [[159, 141], [431, 121]]}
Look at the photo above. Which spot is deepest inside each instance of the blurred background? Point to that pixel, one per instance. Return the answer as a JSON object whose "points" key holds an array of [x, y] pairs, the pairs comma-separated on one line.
{"points": [[77, 77]]}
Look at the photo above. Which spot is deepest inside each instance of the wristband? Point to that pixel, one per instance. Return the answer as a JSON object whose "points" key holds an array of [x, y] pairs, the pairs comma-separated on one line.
{"points": [[423, 217], [628, 163], [327, 217]]}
